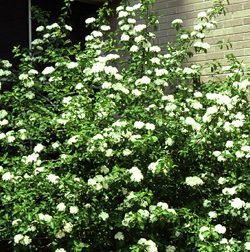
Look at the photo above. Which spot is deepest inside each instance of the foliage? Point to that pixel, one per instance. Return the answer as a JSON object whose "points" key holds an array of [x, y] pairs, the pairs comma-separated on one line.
{"points": [[99, 155]]}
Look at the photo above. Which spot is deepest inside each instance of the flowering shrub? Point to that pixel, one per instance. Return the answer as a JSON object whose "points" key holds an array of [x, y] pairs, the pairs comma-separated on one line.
{"points": [[122, 147]]}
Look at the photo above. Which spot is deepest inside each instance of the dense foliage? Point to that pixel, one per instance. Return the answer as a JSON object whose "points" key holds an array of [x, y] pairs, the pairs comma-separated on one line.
{"points": [[121, 146]]}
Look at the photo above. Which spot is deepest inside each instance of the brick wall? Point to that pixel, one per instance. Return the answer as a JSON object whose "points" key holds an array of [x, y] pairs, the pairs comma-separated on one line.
{"points": [[235, 26]]}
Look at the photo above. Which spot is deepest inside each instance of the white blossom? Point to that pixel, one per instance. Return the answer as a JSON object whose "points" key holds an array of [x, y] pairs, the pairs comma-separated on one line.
{"points": [[61, 207], [247, 245], [7, 176], [18, 238], [53, 178], [68, 27], [73, 209], [150, 126], [119, 236], [136, 174], [212, 214], [68, 227], [177, 21], [144, 80], [104, 216], [140, 27], [194, 181], [72, 65], [134, 48], [139, 125], [90, 20], [125, 37], [220, 229], [238, 203], [60, 250], [26, 240], [48, 70], [38, 148], [105, 27]]}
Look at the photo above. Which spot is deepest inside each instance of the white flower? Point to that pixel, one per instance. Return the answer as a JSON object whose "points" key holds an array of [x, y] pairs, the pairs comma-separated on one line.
{"points": [[48, 70], [89, 38], [97, 34], [119, 236], [68, 27], [170, 248], [222, 180], [202, 14], [55, 145], [247, 245], [123, 14], [138, 125], [15, 222], [229, 144], [139, 38], [45, 217], [106, 85], [177, 21], [126, 152], [103, 215], [140, 27], [105, 27], [38, 148], [212, 214], [73, 140], [73, 209], [60, 250], [72, 65], [245, 148], [136, 92], [40, 28], [238, 203], [150, 126], [60, 234], [202, 45], [26, 240], [134, 48], [79, 86], [184, 36], [230, 191], [125, 37], [109, 153], [61, 207], [52, 26], [7, 176], [198, 27], [239, 154], [162, 205], [220, 229], [90, 20], [32, 158], [137, 6], [11, 139], [194, 181], [136, 174], [68, 227], [32, 72], [131, 20], [53, 178], [144, 80], [150, 245], [154, 49], [18, 238]]}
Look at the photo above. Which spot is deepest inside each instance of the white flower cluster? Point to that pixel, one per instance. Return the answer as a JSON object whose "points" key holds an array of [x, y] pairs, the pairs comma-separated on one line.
{"points": [[194, 181], [150, 246], [140, 125]]}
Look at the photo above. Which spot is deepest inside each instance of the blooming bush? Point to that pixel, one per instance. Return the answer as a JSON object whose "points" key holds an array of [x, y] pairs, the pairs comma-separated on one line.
{"points": [[121, 146]]}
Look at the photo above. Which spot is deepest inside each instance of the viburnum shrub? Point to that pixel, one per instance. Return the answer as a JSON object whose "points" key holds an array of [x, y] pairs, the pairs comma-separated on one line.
{"points": [[122, 146]]}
